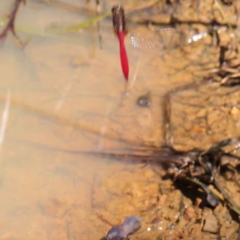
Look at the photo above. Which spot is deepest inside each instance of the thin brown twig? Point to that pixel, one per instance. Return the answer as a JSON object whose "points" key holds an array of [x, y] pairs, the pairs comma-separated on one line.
{"points": [[226, 196], [11, 24]]}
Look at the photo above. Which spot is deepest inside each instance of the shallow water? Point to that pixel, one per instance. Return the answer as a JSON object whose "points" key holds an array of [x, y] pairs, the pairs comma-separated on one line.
{"points": [[63, 95]]}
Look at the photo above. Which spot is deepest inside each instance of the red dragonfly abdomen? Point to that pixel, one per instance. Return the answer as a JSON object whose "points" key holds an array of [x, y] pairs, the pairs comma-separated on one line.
{"points": [[123, 55], [119, 26]]}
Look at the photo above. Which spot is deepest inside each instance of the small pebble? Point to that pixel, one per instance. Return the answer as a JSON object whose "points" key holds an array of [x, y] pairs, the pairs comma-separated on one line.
{"points": [[129, 226], [116, 233], [198, 202], [234, 111], [211, 224], [189, 213], [132, 224]]}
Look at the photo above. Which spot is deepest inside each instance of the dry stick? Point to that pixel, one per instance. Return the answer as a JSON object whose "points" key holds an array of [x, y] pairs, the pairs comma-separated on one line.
{"points": [[226, 196], [216, 183], [10, 26]]}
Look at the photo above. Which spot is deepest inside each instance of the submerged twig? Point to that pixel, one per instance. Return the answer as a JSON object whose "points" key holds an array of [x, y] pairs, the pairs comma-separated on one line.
{"points": [[11, 24], [212, 199], [226, 196]]}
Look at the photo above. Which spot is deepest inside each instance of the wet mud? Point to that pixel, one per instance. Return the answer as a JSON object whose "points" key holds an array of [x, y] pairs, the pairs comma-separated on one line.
{"points": [[75, 148]]}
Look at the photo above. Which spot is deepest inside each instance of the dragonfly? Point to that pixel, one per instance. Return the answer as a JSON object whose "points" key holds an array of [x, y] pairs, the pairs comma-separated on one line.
{"points": [[151, 37], [138, 40], [141, 37]]}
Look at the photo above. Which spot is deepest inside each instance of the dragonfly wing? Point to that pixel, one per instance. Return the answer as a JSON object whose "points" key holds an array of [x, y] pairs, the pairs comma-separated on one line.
{"points": [[148, 38]]}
